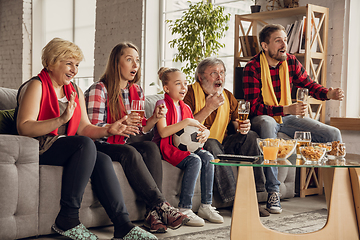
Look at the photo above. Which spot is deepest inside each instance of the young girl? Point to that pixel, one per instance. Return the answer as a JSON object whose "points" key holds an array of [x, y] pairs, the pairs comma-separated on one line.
{"points": [[178, 116]]}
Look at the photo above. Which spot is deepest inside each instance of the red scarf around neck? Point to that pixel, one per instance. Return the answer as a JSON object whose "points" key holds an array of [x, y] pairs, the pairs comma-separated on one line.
{"points": [[49, 105], [133, 95], [171, 153]]}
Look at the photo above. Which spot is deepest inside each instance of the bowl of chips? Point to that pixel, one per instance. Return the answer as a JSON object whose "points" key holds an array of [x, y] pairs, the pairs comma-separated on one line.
{"points": [[312, 154], [338, 150], [286, 147]]}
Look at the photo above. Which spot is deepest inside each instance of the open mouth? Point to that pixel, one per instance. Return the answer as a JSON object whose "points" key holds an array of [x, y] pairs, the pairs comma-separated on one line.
{"points": [[282, 51], [69, 75], [133, 72], [218, 84]]}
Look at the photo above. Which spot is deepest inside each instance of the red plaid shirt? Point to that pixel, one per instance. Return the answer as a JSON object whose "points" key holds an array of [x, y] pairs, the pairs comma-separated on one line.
{"points": [[297, 75], [96, 103]]}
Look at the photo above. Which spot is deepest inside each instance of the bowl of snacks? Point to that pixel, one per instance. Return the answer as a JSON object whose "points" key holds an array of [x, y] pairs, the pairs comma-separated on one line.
{"points": [[312, 154], [338, 150], [286, 147]]}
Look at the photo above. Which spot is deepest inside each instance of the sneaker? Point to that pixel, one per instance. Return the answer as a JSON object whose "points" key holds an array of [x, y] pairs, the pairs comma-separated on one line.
{"points": [[171, 216], [273, 203], [195, 220], [153, 223], [209, 213]]}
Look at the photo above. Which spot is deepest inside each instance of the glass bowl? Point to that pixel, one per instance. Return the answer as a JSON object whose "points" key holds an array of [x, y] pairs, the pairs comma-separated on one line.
{"points": [[338, 150], [286, 147], [311, 154]]}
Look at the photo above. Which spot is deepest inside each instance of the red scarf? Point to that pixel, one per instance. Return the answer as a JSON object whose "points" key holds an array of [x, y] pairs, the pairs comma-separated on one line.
{"points": [[49, 105], [171, 153], [133, 95]]}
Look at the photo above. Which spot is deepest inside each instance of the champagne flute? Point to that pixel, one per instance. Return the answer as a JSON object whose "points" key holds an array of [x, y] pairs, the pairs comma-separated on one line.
{"points": [[243, 112], [138, 106], [302, 96], [303, 139]]}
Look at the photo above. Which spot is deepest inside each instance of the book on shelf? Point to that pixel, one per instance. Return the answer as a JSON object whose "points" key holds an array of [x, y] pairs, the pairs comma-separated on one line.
{"points": [[297, 37], [249, 45], [291, 37]]}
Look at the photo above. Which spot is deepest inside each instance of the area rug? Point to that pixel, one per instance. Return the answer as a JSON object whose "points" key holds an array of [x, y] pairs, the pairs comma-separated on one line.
{"points": [[296, 223]]}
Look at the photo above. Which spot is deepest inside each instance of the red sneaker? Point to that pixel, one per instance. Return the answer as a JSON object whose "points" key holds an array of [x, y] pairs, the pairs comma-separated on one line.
{"points": [[153, 223], [171, 216]]}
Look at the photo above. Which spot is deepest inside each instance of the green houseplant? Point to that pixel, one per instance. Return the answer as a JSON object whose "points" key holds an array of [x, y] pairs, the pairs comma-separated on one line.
{"points": [[199, 30]]}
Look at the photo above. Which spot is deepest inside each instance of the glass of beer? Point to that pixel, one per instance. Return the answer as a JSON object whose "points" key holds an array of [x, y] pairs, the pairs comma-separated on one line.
{"points": [[303, 139], [243, 112], [138, 106], [270, 151], [302, 96]]}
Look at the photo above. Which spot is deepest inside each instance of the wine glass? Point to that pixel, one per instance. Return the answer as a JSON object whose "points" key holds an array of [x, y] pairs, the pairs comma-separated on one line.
{"points": [[302, 96], [303, 139], [243, 112], [138, 106]]}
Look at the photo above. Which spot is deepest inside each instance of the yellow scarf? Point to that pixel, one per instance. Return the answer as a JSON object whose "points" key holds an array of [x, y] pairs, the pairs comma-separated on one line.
{"points": [[218, 128], [267, 89]]}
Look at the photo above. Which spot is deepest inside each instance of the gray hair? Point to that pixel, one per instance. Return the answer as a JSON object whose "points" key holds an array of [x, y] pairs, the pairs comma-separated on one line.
{"points": [[210, 61]]}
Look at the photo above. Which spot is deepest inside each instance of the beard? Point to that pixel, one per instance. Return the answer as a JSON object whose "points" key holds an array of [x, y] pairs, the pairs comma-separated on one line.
{"points": [[277, 56], [209, 87]]}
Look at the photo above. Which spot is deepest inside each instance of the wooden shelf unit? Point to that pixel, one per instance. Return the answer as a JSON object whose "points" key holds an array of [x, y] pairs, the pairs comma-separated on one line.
{"points": [[315, 63]]}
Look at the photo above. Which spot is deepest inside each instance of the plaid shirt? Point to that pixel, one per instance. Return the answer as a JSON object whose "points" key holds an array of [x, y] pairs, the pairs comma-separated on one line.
{"points": [[96, 103], [297, 76]]}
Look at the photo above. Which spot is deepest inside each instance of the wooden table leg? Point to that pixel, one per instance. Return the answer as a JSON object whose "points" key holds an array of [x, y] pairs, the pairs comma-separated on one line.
{"points": [[306, 175], [341, 224], [355, 182]]}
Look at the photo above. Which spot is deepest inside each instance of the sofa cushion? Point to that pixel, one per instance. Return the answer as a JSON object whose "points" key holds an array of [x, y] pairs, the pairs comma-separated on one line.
{"points": [[7, 122], [7, 98]]}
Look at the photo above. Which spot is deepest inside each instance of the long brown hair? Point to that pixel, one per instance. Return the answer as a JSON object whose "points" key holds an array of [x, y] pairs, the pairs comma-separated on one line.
{"points": [[111, 78]]}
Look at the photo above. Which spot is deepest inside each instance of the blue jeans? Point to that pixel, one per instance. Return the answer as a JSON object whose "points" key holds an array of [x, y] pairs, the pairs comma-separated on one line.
{"points": [[192, 165], [266, 127]]}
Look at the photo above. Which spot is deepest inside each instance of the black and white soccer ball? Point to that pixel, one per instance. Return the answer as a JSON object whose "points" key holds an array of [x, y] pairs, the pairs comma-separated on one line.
{"points": [[185, 139]]}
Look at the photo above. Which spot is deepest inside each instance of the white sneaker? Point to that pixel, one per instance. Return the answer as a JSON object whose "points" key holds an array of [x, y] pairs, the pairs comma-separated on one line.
{"points": [[210, 213], [195, 220]]}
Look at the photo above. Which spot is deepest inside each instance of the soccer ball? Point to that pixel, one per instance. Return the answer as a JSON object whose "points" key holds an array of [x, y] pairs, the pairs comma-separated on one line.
{"points": [[185, 139]]}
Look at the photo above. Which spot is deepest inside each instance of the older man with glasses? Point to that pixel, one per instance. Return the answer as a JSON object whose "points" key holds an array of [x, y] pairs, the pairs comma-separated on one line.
{"points": [[216, 108]]}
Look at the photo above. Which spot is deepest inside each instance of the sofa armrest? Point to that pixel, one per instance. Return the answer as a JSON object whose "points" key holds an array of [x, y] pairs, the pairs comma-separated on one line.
{"points": [[19, 186]]}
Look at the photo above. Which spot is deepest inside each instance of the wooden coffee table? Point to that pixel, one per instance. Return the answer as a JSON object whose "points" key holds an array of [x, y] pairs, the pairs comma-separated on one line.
{"points": [[342, 191]]}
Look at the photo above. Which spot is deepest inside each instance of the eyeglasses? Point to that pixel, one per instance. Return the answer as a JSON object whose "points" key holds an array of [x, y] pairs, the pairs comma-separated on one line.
{"points": [[216, 74]]}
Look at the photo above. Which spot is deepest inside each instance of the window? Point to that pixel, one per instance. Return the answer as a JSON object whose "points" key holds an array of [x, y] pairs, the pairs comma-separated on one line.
{"points": [[173, 9], [73, 20]]}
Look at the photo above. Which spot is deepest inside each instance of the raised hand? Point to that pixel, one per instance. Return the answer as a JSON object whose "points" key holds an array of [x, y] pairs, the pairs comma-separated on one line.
{"points": [[213, 101], [120, 128], [69, 111], [335, 94], [160, 111]]}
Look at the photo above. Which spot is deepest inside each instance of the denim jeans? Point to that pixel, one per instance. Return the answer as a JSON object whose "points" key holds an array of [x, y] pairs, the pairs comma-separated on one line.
{"points": [[266, 127], [192, 165]]}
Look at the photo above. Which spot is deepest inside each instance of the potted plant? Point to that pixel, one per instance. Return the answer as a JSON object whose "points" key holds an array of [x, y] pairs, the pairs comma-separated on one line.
{"points": [[255, 8], [198, 31]]}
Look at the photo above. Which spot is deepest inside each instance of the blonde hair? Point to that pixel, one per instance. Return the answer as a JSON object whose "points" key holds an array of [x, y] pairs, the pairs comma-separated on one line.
{"points": [[164, 74], [112, 76], [59, 49]]}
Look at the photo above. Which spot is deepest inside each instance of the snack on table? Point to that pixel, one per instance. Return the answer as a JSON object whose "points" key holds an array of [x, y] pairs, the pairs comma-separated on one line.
{"points": [[311, 153], [337, 149], [322, 145], [285, 146]]}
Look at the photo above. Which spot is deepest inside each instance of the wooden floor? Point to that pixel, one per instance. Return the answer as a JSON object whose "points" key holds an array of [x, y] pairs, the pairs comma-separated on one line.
{"points": [[290, 207]]}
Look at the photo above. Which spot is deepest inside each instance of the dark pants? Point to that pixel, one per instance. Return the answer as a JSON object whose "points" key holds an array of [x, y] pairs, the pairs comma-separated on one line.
{"points": [[81, 161], [234, 144], [142, 166]]}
